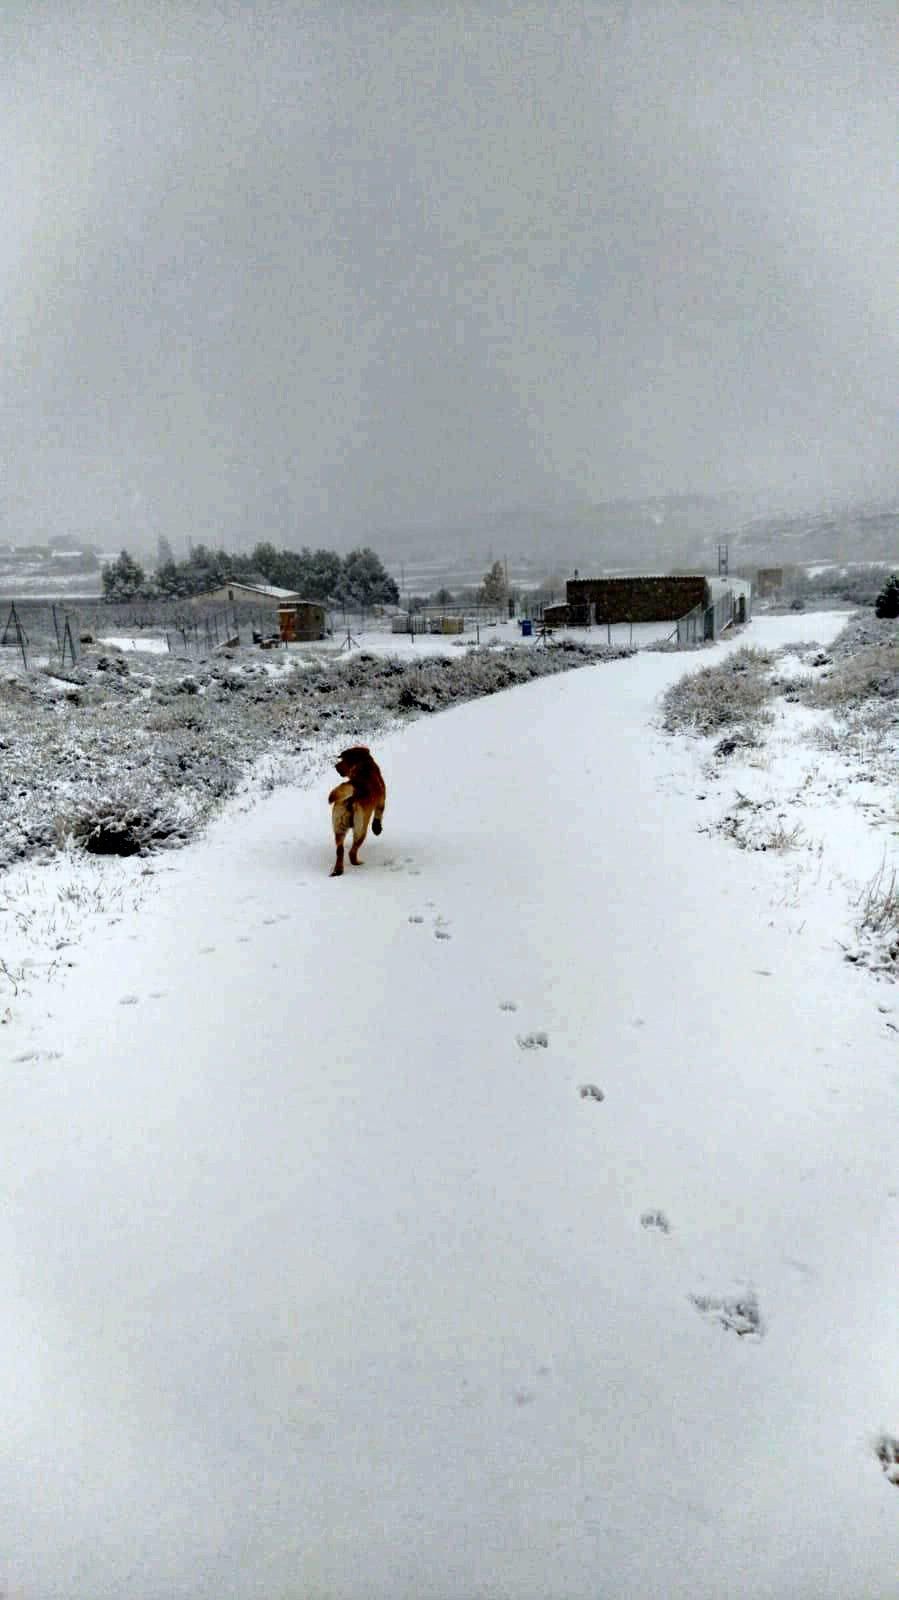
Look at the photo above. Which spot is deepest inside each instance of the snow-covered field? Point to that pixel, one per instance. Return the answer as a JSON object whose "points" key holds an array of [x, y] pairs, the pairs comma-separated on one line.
{"points": [[141, 643], [379, 641], [515, 1217]]}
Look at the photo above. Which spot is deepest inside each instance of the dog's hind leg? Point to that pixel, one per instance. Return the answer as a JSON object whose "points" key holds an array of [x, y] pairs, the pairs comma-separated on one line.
{"points": [[376, 825], [360, 829], [342, 818]]}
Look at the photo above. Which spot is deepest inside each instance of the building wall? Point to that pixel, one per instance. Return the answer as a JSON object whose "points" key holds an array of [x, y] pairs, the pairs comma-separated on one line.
{"points": [[634, 599], [556, 616], [770, 580], [302, 621], [241, 596]]}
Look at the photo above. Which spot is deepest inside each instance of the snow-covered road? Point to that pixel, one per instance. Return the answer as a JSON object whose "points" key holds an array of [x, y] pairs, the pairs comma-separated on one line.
{"points": [[324, 1278]]}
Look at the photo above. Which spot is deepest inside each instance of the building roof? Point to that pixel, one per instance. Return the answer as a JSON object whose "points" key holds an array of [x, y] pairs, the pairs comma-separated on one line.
{"points": [[270, 590]]}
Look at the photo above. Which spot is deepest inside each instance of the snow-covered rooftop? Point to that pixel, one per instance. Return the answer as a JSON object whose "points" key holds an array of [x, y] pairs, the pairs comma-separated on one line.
{"points": [[269, 589]]}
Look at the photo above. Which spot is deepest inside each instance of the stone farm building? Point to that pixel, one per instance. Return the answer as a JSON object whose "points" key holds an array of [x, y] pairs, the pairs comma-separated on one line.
{"points": [[708, 604]]}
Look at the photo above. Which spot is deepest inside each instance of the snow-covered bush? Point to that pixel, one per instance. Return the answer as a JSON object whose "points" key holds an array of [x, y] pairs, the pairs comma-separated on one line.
{"points": [[872, 673], [733, 692], [127, 824]]}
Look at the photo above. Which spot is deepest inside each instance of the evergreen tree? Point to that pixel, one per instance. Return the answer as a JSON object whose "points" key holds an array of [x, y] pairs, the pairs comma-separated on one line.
{"points": [[123, 578], [321, 578], [364, 581], [887, 602], [493, 589]]}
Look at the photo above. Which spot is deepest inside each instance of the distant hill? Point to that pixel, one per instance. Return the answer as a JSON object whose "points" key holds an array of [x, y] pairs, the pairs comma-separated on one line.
{"points": [[635, 535], [656, 534]]}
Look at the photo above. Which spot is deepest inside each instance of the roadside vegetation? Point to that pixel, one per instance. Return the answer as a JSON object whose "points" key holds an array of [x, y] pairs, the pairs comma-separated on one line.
{"points": [[124, 754], [732, 694]]}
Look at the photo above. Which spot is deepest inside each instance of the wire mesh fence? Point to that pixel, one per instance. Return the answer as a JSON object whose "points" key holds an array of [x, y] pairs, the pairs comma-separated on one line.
{"points": [[41, 634]]}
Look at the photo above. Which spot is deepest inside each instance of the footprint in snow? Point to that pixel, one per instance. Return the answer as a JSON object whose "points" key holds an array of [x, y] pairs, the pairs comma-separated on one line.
{"points": [[39, 1055], [589, 1091], [656, 1220], [129, 1000], [442, 933], [508, 1005], [533, 1041], [414, 918], [739, 1313], [207, 950], [886, 1449]]}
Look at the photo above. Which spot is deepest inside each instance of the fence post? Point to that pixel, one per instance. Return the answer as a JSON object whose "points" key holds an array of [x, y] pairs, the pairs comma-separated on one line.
{"points": [[12, 621], [67, 639]]}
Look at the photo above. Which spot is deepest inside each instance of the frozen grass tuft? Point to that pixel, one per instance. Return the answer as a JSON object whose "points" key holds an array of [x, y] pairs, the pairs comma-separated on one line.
{"points": [[733, 693], [878, 910], [870, 675]]}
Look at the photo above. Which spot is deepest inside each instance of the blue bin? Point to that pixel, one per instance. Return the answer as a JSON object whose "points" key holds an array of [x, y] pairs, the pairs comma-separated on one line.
{"points": [[527, 627]]}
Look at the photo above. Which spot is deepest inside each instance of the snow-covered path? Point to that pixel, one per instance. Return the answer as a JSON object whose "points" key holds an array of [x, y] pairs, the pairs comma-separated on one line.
{"points": [[322, 1276]]}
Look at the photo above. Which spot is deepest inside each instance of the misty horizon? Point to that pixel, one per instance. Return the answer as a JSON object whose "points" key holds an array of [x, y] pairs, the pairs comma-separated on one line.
{"points": [[332, 272]]}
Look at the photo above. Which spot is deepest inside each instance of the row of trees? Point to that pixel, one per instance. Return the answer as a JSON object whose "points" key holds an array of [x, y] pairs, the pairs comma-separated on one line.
{"points": [[357, 579]]}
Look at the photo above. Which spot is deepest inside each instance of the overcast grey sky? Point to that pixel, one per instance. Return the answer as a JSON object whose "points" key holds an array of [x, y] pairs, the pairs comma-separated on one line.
{"points": [[296, 270]]}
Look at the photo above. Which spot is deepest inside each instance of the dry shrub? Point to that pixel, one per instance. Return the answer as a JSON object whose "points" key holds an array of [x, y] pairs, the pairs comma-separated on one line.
{"points": [[872, 674], [878, 907], [125, 825], [734, 692]]}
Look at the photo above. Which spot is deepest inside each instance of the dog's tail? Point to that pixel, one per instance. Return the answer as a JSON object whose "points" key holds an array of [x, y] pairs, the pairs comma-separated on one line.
{"points": [[376, 824]]}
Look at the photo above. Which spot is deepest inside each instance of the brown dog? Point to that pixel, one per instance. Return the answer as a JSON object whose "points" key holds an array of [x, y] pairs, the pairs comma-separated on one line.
{"points": [[356, 801]]}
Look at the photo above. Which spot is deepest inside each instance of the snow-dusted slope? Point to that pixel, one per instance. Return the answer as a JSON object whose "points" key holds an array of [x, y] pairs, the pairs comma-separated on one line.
{"points": [[513, 1217]]}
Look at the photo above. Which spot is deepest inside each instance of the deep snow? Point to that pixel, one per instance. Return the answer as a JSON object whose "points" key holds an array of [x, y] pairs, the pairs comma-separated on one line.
{"points": [[325, 1277]]}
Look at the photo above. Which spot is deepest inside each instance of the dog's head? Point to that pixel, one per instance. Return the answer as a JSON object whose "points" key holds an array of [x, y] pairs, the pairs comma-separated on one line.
{"points": [[349, 761]]}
